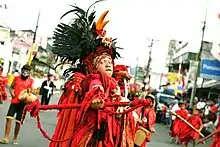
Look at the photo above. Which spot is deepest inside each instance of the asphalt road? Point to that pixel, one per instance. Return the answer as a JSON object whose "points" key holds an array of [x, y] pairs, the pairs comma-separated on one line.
{"points": [[30, 136]]}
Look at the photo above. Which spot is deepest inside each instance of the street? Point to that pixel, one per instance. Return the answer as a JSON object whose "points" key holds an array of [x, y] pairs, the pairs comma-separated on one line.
{"points": [[30, 136]]}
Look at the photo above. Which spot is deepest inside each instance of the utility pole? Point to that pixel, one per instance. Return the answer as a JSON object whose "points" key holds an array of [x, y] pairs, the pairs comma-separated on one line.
{"points": [[136, 69], [198, 59], [147, 73], [33, 44]]}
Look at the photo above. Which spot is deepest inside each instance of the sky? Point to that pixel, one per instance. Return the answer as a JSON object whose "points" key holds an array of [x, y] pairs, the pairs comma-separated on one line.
{"points": [[132, 22]]}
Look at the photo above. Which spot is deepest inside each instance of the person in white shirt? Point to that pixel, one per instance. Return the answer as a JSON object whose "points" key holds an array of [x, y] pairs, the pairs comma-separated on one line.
{"points": [[175, 108]]}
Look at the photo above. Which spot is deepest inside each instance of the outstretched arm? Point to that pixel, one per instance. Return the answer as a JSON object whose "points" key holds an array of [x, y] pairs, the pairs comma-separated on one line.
{"points": [[96, 87]]}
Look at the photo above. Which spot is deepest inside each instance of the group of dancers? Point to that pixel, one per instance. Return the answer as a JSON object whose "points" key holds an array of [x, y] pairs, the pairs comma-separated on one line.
{"points": [[186, 127], [106, 117], [102, 115]]}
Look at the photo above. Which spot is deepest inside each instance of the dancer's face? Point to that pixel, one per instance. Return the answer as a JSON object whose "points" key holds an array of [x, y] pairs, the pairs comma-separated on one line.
{"points": [[105, 66], [182, 106]]}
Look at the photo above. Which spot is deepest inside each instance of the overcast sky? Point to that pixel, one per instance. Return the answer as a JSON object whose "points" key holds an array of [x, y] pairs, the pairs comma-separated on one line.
{"points": [[133, 22]]}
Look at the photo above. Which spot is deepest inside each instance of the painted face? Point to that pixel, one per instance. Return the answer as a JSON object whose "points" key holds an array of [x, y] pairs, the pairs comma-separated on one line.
{"points": [[105, 66]]}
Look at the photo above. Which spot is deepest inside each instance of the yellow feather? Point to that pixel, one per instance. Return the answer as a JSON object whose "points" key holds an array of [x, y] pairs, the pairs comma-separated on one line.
{"points": [[100, 25]]}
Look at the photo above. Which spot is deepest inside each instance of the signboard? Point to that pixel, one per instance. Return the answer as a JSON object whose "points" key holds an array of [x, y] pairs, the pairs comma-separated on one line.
{"points": [[193, 69], [172, 77], [210, 69]]}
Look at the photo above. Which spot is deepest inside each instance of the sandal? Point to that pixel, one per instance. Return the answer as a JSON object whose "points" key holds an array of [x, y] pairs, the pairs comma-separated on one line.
{"points": [[3, 141], [14, 142]]}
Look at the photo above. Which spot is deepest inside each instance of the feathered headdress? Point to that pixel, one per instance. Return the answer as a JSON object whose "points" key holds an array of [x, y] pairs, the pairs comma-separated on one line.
{"points": [[82, 40]]}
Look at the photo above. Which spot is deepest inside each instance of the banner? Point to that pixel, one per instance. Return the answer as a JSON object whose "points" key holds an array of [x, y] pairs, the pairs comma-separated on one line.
{"points": [[173, 77], [191, 75], [193, 69], [210, 69]]}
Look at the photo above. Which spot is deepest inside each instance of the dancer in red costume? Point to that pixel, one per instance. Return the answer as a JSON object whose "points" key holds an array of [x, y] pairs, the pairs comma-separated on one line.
{"points": [[216, 140], [84, 42], [147, 119], [94, 121], [149, 116], [122, 77], [187, 134], [177, 123], [3, 84]]}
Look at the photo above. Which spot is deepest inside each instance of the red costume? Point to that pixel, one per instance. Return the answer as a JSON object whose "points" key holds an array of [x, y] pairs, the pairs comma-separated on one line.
{"points": [[93, 124], [177, 123], [216, 140], [84, 43], [3, 84], [148, 117], [187, 133], [122, 76], [151, 119]]}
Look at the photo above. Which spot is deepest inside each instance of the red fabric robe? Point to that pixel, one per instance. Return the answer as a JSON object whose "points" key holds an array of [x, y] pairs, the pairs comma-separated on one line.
{"points": [[187, 134], [216, 140], [67, 118], [151, 119], [177, 123], [82, 124], [127, 122]]}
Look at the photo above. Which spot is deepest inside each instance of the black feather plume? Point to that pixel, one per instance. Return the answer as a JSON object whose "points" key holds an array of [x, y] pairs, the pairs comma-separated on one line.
{"points": [[76, 40]]}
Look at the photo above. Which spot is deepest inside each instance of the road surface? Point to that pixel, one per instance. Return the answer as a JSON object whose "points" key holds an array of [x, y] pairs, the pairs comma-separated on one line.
{"points": [[30, 136]]}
